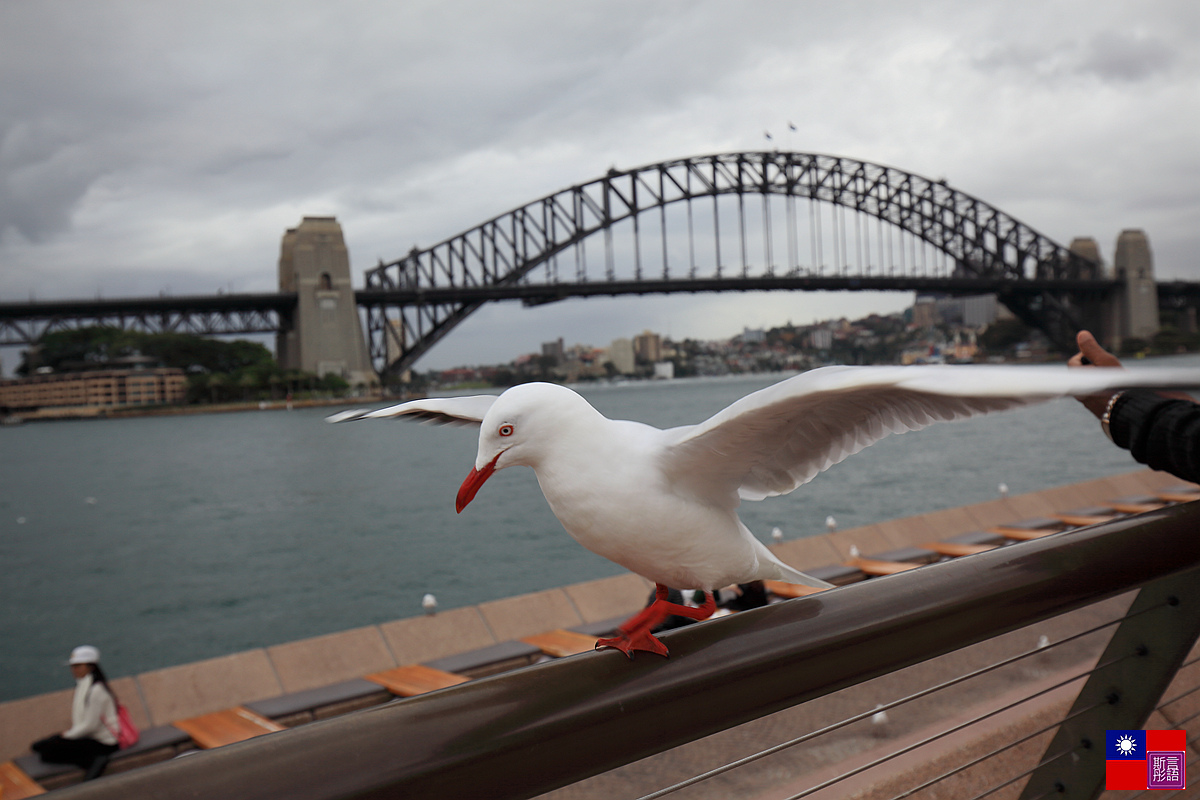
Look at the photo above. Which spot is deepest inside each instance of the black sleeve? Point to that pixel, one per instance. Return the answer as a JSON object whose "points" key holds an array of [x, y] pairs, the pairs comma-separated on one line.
{"points": [[1161, 433]]}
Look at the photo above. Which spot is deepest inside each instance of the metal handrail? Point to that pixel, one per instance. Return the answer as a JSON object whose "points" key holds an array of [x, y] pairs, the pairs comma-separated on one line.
{"points": [[526, 732]]}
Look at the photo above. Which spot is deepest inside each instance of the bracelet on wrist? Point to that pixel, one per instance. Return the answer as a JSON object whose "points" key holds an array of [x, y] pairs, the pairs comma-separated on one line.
{"points": [[1106, 417]]}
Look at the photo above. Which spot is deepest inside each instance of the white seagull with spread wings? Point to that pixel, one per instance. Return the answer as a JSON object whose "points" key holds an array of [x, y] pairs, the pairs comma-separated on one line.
{"points": [[663, 503]]}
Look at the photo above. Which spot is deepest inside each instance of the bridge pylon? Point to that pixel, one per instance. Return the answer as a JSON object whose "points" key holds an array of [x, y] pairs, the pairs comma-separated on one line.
{"points": [[1096, 312], [1131, 311], [326, 334], [1133, 266]]}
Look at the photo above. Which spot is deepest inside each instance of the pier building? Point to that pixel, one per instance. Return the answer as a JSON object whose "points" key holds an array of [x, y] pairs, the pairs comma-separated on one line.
{"points": [[107, 388]]}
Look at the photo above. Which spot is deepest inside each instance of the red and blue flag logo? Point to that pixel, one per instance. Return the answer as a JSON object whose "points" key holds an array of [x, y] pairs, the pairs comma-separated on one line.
{"points": [[1145, 760]]}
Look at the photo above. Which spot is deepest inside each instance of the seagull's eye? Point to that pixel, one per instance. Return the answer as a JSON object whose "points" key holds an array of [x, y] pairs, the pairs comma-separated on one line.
{"points": [[506, 430]]}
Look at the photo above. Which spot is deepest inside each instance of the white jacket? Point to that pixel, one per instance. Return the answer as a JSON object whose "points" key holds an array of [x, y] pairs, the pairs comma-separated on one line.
{"points": [[93, 713]]}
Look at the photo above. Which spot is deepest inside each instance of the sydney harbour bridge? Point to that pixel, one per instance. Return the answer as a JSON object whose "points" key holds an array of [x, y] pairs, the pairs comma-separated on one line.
{"points": [[753, 221]]}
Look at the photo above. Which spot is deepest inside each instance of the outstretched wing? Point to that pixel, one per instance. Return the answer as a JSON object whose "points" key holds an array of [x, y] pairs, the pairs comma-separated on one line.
{"points": [[432, 410], [781, 437]]}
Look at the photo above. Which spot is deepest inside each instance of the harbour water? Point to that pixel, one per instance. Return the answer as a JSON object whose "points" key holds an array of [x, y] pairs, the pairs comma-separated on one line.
{"points": [[164, 540]]}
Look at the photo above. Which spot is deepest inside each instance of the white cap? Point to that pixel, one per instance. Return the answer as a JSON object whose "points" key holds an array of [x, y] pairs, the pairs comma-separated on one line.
{"points": [[84, 654]]}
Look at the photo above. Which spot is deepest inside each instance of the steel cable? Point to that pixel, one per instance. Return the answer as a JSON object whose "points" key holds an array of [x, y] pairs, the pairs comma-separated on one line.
{"points": [[885, 707], [1026, 774], [949, 731], [1177, 697], [998, 751]]}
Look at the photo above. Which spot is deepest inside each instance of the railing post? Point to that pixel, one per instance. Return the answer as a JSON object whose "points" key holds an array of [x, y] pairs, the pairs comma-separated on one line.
{"points": [[1135, 669]]}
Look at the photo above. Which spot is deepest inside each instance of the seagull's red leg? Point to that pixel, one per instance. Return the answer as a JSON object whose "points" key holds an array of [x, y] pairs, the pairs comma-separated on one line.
{"points": [[703, 612], [634, 633]]}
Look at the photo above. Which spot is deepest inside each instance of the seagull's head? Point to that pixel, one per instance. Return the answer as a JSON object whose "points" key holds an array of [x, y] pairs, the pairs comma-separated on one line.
{"points": [[519, 429]]}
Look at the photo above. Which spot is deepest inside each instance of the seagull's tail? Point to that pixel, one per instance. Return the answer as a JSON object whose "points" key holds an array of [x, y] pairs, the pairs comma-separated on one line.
{"points": [[789, 575]]}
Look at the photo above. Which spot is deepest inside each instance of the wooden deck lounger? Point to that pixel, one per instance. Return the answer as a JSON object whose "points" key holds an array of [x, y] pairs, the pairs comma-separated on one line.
{"points": [[1178, 497], [876, 567], [560, 643], [14, 783], [1091, 515], [1025, 534], [1029, 528], [335, 699], [489, 660], [956, 549], [790, 590], [1136, 503], [967, 544], [226, 727], [837, 574], [415, 679]]}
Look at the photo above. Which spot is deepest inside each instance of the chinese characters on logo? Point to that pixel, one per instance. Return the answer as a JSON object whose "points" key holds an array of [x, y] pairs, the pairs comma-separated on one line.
{"points": [[1166, 770]]}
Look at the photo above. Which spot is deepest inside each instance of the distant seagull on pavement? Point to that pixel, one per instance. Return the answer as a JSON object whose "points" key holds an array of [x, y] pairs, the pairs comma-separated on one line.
{"points": [[663, 503]]}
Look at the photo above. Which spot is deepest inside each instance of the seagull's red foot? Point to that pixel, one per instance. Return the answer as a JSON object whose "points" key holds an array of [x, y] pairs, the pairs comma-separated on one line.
{"points": [[637, 640], [634, 633]]}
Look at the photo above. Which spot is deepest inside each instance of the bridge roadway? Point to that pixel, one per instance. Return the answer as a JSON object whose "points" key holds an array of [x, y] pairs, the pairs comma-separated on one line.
{"points": [[24, 323], [206, 315], [534, 294]]}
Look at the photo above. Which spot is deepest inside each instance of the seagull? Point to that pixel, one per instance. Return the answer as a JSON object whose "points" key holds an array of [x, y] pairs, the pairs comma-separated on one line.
{"points": [[429, 603], [663, 503]]}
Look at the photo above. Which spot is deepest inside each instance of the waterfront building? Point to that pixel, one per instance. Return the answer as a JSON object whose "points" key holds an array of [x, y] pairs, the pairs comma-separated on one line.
{"points": [[974, 312], [554, 352], [647, 347], [106, 388], [620, 353]]}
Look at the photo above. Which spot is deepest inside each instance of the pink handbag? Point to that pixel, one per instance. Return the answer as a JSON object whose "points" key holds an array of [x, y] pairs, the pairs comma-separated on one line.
{"points": [[126, 732]]}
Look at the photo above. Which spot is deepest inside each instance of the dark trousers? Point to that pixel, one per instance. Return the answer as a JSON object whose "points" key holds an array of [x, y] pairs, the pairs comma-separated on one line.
{"points": [[88, 754]]}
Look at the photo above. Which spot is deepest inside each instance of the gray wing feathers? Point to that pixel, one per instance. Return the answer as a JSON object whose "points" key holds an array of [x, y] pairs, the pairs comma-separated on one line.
{"points": [[781, 437], [816, 439], [432, 410]]}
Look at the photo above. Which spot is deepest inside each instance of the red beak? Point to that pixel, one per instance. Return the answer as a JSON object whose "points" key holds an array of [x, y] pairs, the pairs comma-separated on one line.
{"points": [[466, 492]]}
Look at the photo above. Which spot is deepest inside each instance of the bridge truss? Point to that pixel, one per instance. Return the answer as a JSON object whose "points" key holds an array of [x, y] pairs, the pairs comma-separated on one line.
{"points": [[210, 315], [734, 221]]}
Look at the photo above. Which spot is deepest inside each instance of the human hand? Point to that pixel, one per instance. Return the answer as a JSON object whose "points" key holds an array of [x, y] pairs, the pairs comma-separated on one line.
{"points": [[1092, 354]]}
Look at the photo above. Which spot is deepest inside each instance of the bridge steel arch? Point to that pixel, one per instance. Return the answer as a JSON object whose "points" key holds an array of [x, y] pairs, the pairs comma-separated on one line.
{"points": [[412, 303]]}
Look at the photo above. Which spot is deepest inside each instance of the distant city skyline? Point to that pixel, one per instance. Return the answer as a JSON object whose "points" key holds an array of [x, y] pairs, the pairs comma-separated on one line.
{"points": [[970, 312]]}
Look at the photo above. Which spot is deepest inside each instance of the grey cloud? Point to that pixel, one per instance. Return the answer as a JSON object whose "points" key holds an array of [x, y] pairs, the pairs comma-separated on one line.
{"points": [[43, 175], [1113, 56], [1109, 56], [180, 140]]}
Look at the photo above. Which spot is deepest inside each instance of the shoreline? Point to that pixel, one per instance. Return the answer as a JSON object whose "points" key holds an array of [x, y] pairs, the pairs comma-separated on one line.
{"points": [[53, 414]]}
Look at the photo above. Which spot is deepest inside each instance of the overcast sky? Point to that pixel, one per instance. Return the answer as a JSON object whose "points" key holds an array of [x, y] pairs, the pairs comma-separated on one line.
{"points": [[166, 146]]}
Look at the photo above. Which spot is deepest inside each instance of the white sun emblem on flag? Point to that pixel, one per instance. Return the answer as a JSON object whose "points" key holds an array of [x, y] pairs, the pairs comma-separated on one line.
{"points": [[1126, 745]]}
